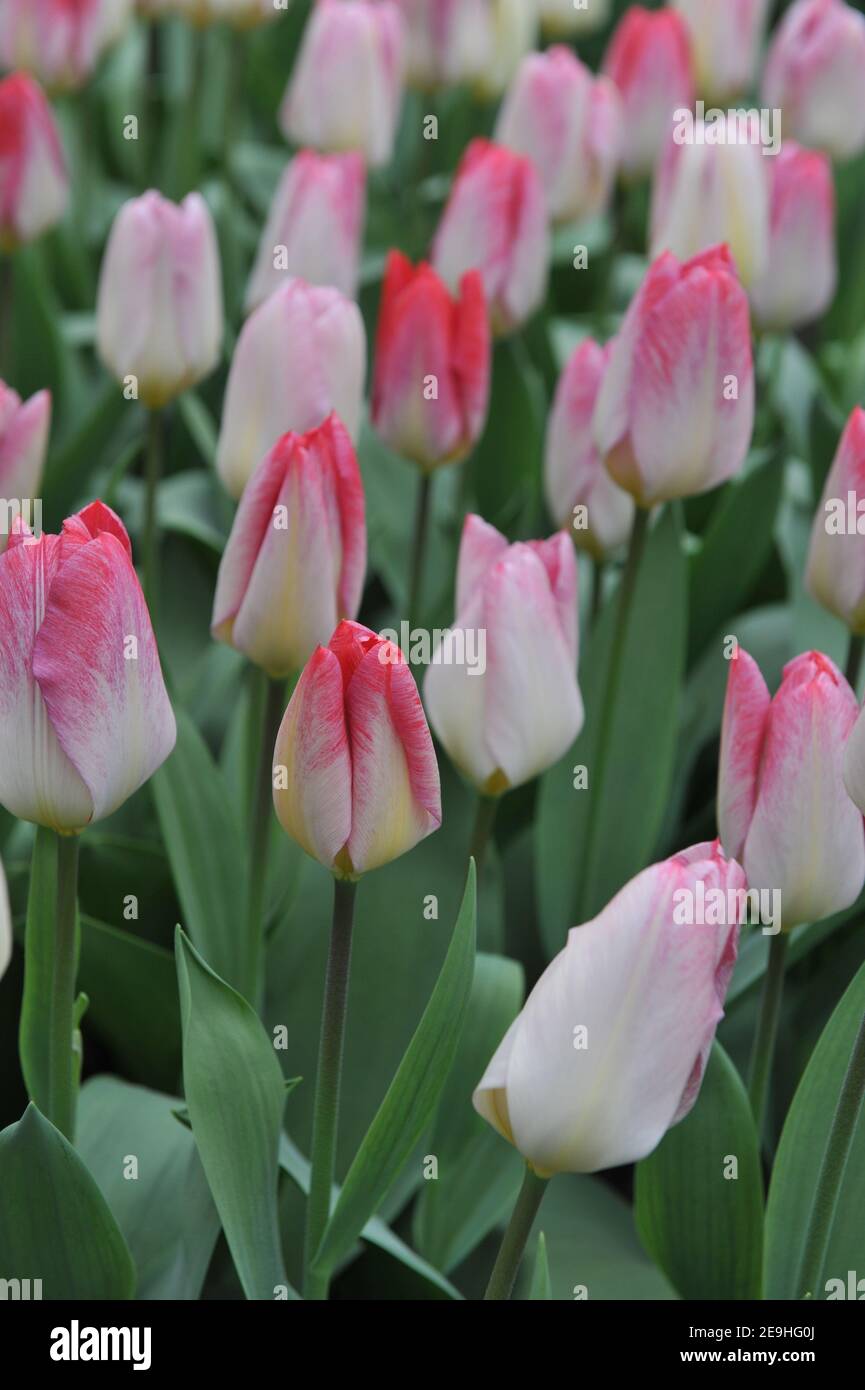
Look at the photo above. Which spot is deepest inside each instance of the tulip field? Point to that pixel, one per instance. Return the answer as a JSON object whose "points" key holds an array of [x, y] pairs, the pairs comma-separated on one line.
{"points": [[432, 611]]}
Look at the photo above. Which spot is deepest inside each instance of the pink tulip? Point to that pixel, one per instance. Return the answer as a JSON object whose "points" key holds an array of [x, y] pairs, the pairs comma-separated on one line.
{"points": [[346, 89], [315, 226], [676, 407], [60, 41], [507, 722], [300, 355], [34, 186], [610, 1048], [84, 715], [581, 495], [836, 559], [814, 73], [649, 59], [432, 364], [295, 560], [495, 221], [446, 40], [782, 806], [569, 123], [798, 283], [23, 442], [726, 40], [356, 782]]}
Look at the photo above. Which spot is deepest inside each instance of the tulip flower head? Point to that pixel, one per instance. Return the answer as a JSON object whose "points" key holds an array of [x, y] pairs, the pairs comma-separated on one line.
{"points": [[34, 185], [84, 715], [646, 992], [649, 59], [835, 575], [782, 806], [510, 30], [60, 41], [356, 782], [447, 41], [814, 73], [23, 442], [798, 282], [726, 40], [295, 560]]}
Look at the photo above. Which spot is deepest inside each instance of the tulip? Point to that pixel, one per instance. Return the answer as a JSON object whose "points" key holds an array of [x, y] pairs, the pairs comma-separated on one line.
{"points": [[814, 74], [565, 17], [346, 89], [510, 30], [159, 304], [705, 194], [505, 724], [676, 408], [495, 221], [295, 560], [84, 714], [726, 40], [649, 59], [60, 41], [241, 14], [854, 764], [447, 41], [569, 123], [782, 807], [356, 782], [798, 282], [611, 1045], [34, 185], [581, 495], [426, 336], [315, 226], [300, 355], [23, 443], [836, 559]]}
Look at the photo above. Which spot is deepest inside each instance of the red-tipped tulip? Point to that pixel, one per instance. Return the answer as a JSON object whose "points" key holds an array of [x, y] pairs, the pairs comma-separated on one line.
{"points": [[649, 59], [60, 41], [34, 187], [23, 442], [814, 73], [836, 559], [726, 40], [356, 782], [798, 283]]}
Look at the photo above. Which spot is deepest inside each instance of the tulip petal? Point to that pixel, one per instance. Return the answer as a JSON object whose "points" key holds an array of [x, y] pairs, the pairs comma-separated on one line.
{"points": [[480, 546], [742, 733]]}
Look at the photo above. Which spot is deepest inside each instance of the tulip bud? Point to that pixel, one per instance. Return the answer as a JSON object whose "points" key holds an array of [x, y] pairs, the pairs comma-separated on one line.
{"points": [[241, 14], [676, 408], [799, 279], [314, 228], [782, 807], [356, 782], [581, 495], [432, 364], [300, 355], [567, 17], [23, 443], [495, 221], [447, 41], [346, 89], [84, 715], [159, 305], [60, 42], [611, 1045], [835, 575], [814, 73], [726, 40], [510, 30], [507, 722], [705, 194], [569, 123], [649, 59], [295, 560], [34, 186]]}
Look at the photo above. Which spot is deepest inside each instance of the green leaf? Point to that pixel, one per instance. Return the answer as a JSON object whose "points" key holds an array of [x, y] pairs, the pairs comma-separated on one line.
{"points": [[703, 1227], [505, 469], [409, 1103], [236, 1095], [55, 1225], [541, 1285], [34, 1029]]}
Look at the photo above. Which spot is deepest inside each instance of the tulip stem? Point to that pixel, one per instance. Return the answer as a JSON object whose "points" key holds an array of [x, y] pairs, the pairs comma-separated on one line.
{"points": [[513, 1245], [6, 298], [61, 1067], [327, 1084], [597, 592], [151, 528], [854, 660], [767, 1030], [833, 1168], [267, 697], [484, 820], [421, 532]]}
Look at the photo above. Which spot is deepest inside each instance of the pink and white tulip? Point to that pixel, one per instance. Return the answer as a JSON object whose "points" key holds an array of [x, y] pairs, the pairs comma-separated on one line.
{"points": [[649, 59], [801, 273], [495, 221], [23, 444], [814, 73], [649, 992], [726, 41], [565, 18], [346, 89], [295, 560], [300, 355], [675, 411], [60, 41], [34, 185], [314, 229], [432, 364], [569, 123], [782, 806], [356, 782], [504, 724], [835, 575], [447, 41], [84, 715]]}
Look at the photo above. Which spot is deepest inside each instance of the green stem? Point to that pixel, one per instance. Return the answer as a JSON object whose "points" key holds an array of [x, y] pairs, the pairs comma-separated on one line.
{"points": [[269, 707], [151, 527], [327, 1084], [421, 532], [854, 660], [767, 1030], [833, 1168], [6, 298], [513, 1245], [597, 592], [61, 1068], [484, 820]]}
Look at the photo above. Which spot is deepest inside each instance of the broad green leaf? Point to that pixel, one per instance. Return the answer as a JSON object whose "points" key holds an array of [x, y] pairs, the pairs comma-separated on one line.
{"points": [[505, 469], [541, 1288], [34, 1030], [54, 1222], [235, 1094], [700, 1219]]}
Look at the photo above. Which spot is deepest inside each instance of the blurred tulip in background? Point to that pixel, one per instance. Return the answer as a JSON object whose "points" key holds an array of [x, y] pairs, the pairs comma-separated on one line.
{"points": [[34, 184]]}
